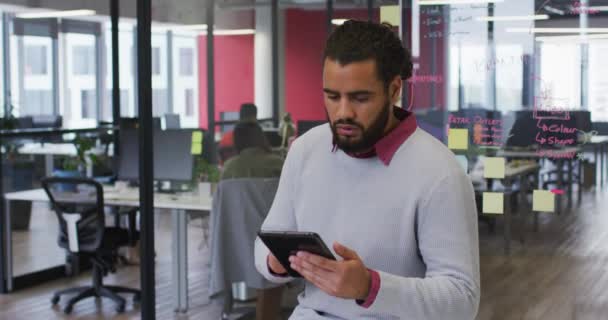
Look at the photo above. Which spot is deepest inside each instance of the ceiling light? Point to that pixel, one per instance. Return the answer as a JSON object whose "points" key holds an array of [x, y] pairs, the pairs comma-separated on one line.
{"points": [[55, 14], [557, 30], [338, 22], [513, 18], [454, 2], [554, 10], [231, 32], [577, 38], [598, 8], [189, 27]]}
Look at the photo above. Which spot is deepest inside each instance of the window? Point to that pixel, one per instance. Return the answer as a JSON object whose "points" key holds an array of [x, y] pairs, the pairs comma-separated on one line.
{"points": [[189, 98], [159, 102], [559, 81], [509, 77], [84, 60], [124, 103], [37, 102], [186, 57], [35, 60], [156, 61], [88, 103], [598, 84]]}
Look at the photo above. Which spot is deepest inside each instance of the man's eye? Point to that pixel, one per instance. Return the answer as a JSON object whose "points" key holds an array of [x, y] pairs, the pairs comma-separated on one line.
{"points": [[361, 99], [333, 97]]}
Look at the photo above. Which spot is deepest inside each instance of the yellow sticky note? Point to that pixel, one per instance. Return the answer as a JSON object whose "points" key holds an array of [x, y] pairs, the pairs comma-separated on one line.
{"points": [[197, 149], [390, 14], [197, 137], [494, 168], [493, 202], [543, 201], [458, 139]]}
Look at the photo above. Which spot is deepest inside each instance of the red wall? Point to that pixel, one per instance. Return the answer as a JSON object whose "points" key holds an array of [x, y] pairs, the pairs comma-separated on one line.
{"points": [[305, 37], [304, 40], [234, 78]]}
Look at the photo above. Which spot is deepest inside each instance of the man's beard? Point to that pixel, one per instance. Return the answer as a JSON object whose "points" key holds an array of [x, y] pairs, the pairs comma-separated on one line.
{"points": [[368, 137]]}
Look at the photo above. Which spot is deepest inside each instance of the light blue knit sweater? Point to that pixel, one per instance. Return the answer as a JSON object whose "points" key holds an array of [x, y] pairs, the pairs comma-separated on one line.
{"points": [[413, 221]]}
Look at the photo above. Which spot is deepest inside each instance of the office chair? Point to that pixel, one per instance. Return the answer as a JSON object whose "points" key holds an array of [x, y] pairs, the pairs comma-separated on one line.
{"points": [[83, 232], [239, 209]]}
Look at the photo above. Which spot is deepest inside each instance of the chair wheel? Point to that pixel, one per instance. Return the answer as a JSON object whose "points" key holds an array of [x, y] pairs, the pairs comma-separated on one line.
{"points": [[68, 309], [120, 308], [136, 298], [55, 300]]}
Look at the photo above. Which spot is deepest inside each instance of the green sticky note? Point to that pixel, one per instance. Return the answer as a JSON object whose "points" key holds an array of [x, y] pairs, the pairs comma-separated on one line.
{"points": [[197, 137], [493, 202], [543, 201], [458, 139], [197, 148], [390, 14], [494, 168]]}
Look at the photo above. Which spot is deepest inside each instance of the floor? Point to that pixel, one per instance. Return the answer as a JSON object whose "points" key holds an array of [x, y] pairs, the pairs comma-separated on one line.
{"points": [[559, 272]]}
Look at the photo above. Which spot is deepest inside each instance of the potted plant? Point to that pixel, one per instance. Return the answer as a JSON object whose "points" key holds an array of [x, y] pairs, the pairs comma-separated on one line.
{"points": [[206, 176], [76, 166]]}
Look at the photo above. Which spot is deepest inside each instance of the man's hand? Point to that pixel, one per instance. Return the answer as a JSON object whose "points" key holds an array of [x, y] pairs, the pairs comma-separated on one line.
{"points": [[347, 279], [274, 265]]}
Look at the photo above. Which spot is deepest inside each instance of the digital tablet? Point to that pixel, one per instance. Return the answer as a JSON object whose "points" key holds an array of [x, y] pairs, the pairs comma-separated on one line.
{"points": [[284, 244]]}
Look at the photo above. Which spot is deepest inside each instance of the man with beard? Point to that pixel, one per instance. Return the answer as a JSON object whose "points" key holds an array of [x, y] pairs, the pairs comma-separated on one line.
{"points": [[391, 200]]}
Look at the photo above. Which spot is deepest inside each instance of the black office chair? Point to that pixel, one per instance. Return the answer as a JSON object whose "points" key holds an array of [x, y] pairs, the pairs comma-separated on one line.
{"points": [[83, 233]]}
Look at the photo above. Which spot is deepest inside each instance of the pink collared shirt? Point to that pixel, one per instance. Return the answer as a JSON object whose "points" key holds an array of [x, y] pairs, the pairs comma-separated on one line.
{"points": [[386, 147]]}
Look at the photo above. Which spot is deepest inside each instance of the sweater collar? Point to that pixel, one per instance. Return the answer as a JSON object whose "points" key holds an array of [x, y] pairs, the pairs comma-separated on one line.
{"points": [[388, 145]]}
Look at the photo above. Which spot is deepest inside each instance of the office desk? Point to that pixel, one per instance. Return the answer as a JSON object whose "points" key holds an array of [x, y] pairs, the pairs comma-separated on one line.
{"points": [[557, 153], [512, 174], [178, 203], [50, 150]]}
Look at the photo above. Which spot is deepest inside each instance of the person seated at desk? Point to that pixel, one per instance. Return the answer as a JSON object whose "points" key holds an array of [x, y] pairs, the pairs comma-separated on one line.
{"points": [[248, 113], [255, 158]]}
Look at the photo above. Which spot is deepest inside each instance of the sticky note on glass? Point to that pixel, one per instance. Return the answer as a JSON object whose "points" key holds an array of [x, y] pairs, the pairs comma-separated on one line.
{"points": [[464, 162], [458, 139], [493, 202], [197, 137], [197, 148], [494, 168], [543, 201], [390, 14]]}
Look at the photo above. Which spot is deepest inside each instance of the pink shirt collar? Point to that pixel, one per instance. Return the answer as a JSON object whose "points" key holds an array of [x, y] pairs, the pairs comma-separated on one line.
{"points": [[386, 147]]}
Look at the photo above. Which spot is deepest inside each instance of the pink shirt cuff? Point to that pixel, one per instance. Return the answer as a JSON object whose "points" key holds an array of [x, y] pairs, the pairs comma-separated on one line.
{"points": [[373, 290]]}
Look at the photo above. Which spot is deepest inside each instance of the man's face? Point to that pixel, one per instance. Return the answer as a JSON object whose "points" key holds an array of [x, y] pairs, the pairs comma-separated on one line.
{"points": [[357, 105]]}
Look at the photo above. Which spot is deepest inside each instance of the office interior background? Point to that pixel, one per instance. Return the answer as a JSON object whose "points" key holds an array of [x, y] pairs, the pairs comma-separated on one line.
{"points": [[516, 88]]}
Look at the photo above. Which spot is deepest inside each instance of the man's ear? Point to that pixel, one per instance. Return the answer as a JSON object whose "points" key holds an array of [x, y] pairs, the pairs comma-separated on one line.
{"points": [[395, 89]]}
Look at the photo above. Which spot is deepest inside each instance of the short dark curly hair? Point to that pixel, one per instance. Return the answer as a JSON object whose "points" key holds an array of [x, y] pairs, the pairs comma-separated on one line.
{"points": [[356, 41]]}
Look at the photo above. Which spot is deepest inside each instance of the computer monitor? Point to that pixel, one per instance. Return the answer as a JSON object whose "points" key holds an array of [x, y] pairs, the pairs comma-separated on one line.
{"points": [[582, 119], [172, 155], [228, 116], [171, 121], [128, 159], [25, 123], [47, 121], [305, 125], [524, 130], [273, 137], [133, 123]]}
